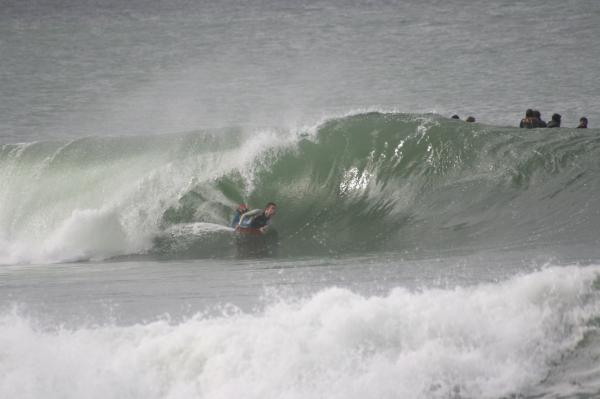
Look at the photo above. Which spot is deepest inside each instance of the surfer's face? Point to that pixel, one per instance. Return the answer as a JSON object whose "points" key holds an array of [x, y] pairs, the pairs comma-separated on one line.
{"points": [[270, 210]]}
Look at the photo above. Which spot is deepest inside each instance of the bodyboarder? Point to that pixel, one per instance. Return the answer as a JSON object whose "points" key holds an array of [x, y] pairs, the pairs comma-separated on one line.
{"points": [[256, 221]]}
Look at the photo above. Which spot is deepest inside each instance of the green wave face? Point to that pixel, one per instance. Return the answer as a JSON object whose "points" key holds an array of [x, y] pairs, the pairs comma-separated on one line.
{"points": [[366, 182], [408, 182]]}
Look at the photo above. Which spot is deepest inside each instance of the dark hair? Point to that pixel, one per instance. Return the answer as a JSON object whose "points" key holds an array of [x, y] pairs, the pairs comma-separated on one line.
{"points": [[556, 117], [583, 119], [529, 113], [455, 116], [269, 204], [470, 119], [537, 114]]}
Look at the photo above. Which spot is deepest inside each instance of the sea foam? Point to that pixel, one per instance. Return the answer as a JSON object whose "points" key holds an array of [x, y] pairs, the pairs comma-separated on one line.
{"points": [[484, 341]]}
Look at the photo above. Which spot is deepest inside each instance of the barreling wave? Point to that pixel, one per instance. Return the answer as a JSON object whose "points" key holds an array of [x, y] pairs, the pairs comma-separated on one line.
{"points": [[363, 182]]}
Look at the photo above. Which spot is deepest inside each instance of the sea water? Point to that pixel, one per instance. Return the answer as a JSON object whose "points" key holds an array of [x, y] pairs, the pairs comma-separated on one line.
{"points": [[415, 257], [362, 326]]}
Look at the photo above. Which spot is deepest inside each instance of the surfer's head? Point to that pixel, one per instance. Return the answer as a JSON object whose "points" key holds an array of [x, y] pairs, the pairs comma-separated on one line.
{"points": [[270, 209], [470, 119], [529, 113], [556, 118], [583, 122], [455, 116]]}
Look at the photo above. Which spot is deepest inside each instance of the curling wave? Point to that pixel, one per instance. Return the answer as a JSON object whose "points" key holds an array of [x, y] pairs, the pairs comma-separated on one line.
{"points": [[362, 182]]}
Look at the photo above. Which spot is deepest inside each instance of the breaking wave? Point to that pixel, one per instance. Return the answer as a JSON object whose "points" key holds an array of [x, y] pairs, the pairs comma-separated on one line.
{"points": [[370, 181], [529, 336]]}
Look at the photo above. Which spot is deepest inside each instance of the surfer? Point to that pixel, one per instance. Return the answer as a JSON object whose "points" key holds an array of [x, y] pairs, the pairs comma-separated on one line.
{"points": [[470, 119], [583, 122], [257, 220], [555, 122]]}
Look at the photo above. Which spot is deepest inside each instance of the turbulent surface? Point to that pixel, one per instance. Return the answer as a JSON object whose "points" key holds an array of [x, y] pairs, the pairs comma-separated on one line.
{"points": [[533, 335]]}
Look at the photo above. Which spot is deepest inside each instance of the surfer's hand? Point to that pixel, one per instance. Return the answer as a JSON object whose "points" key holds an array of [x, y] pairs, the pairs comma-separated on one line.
{"points": [[263, 229]]}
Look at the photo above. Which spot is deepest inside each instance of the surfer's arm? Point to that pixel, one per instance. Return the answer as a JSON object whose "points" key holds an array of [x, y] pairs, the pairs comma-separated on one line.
{"points": [[247, 215]]}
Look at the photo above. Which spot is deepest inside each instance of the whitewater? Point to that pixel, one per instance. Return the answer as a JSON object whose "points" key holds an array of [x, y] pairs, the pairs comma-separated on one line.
{"points": [[526, 335], [413, 256]]}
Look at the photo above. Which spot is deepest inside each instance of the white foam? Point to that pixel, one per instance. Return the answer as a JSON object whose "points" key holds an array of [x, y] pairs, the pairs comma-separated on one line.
{"points": [[87, 234], [57, 206], [486, 341], [196, 229]]}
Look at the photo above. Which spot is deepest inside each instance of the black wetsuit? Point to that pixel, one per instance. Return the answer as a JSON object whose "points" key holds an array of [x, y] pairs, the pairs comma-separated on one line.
{"points": [[259, 221], [531, 123], [552, 124]]}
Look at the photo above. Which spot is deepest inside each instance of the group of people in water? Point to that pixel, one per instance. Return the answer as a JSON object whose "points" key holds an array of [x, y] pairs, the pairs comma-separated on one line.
{"points": [[533, 119], [469, 118]]}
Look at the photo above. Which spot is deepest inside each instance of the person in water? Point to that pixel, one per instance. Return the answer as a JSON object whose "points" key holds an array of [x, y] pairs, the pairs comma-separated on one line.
{"points": [[526, 122], [583, 122], [455, 116], [470, 119], [538, 115], [555, 122], [257, 219], [531, 121]]}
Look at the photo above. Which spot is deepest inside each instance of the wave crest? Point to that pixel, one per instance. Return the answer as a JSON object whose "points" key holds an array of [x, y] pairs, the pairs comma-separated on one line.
{"points": [[362, 182]]}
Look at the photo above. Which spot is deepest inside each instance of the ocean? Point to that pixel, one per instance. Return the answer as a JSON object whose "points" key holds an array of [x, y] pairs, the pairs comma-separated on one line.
{"points": [[412, 255]]}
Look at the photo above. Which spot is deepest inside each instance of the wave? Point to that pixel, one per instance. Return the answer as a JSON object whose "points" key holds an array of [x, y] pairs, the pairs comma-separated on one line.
{"points": [[529, 335], [369, 181]]}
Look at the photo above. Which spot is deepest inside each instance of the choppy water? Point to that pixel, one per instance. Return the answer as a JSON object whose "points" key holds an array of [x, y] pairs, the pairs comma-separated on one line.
{"points": [[415, 257]]}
